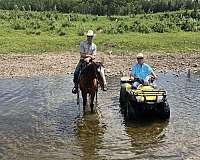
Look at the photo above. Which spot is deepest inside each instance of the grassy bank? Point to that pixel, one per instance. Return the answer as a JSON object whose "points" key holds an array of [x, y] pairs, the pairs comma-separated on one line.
{"points": [[39, 32]]}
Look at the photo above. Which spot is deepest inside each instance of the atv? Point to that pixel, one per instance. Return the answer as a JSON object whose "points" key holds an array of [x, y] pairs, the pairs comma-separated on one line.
{"points": [[144, 101]]}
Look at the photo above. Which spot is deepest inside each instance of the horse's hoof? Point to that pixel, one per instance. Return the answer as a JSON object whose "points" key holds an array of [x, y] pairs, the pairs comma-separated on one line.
{"points": [[105, 88]]}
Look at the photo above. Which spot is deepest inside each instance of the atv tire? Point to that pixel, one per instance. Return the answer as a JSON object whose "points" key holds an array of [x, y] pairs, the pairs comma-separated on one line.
{"points": [[164, 111]]}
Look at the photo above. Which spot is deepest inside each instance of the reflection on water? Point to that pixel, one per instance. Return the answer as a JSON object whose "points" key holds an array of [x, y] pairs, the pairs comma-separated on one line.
{"points": [[39, 119], [89, 134]]}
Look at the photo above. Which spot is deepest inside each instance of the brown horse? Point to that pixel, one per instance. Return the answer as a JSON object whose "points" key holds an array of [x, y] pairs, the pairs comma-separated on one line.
{"points": [[91, 75]]}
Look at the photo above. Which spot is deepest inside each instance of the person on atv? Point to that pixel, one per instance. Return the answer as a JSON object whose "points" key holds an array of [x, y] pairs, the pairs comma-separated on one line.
{"points": [[87, 54], [141, 73]]}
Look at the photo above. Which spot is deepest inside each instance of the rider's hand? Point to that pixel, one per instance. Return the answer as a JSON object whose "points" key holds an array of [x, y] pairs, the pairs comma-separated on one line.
{"points": [[87, 59], [91, 57], [131, 78], [155, 77], [145, 83]]}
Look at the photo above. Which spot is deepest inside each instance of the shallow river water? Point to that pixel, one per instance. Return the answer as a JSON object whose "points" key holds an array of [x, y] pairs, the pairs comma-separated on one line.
{"points": [[39, 119]]}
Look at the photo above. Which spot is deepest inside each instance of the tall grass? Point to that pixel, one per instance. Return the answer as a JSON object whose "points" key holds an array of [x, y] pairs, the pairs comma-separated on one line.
{"points": [[53, 31]]}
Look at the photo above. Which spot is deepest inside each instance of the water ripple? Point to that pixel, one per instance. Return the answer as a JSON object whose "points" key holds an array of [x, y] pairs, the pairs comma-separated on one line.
{"points": [[39, 119]]}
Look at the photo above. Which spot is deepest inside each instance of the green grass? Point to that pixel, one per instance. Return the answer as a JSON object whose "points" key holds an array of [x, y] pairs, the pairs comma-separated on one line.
{"points": [[41, 32], [153, 42], [18, 42]]}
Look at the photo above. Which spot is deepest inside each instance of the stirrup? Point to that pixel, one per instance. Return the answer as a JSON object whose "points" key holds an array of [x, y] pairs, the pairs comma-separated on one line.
{"points": [[74, 90]]}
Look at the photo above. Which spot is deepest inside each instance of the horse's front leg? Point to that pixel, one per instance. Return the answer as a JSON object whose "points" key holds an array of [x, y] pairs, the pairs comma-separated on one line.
{"points": [[84, 96], [92, 102]]}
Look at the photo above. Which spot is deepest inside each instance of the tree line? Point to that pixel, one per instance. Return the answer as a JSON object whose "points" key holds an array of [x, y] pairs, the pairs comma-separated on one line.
{"points": [[101, 7]]}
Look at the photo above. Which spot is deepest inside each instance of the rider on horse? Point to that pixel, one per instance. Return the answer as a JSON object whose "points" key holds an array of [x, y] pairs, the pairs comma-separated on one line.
{"points": [[87, 54]]}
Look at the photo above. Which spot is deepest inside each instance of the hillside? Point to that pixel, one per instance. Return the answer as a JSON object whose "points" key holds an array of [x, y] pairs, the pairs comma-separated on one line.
{"points": [[39, 32]]}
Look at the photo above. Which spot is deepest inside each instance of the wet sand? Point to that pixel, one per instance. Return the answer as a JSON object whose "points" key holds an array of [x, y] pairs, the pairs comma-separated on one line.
{"points": [[14, 65]]}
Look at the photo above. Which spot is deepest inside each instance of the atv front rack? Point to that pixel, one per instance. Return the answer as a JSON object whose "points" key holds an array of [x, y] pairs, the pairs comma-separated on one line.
{"points": [[151, 93], [150, 96]]}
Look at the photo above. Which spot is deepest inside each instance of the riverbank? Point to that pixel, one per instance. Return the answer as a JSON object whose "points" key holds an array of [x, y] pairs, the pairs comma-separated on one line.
{"points": [[14, 65]]}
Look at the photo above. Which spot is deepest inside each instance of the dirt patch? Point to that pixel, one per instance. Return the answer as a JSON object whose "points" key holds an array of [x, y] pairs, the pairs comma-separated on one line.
{"points": [[64, 63]]}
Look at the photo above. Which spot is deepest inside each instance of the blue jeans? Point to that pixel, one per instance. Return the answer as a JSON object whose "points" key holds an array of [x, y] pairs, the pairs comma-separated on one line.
{"points": [[77, 71], [145, 81]]}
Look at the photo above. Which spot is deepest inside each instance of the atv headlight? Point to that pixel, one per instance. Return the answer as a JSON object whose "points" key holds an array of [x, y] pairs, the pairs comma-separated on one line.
{"points": [[140, 98], [159, 99]]}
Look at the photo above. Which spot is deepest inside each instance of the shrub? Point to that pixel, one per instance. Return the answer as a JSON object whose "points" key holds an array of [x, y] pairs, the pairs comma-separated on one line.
{"points": [[195, 15], [113, 18], [140, 26], [61, 32], [34, 24], [122, 27], [95, 18], [144, 28], [84, 19], [189, 25], [52, 25], [65, 23], [135, 26], [33, 32], [160, 27], [81, 30], [19, 24], [172, 26], [111, 29], [74, 17]]}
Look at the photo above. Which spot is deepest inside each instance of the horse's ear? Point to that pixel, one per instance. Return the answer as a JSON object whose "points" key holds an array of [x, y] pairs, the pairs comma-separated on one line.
{"points": [[101, 64]]}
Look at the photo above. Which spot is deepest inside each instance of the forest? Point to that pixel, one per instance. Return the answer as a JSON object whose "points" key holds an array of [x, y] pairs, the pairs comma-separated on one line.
{"points": [[101, 7]]}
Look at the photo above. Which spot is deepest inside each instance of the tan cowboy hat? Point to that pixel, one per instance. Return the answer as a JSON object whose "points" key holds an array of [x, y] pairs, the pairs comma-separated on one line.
{"points": [[140, 55], [90, 33]]}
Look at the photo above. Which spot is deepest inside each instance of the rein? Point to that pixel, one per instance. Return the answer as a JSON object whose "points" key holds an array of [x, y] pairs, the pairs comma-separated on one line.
{"points": [[87, 69]]}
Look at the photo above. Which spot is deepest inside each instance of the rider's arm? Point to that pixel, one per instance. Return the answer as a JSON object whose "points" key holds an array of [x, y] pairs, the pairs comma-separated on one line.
{"points": [[85, 55], [151, 72], [154, 75], [132, 77], [132, 73]]}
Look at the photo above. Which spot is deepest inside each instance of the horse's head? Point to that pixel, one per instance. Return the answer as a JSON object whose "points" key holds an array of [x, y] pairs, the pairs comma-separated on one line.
{"points": [[101, 74], [84, 65], [94, 70], [88, 68]]}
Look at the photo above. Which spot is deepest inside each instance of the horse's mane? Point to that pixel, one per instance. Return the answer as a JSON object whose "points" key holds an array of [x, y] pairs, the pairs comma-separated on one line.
{"points": [[91, 68]]}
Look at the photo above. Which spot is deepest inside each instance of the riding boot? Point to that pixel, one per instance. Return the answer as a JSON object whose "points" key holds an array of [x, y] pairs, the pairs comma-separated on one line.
{"points": [[75, 89], [75, 80]]}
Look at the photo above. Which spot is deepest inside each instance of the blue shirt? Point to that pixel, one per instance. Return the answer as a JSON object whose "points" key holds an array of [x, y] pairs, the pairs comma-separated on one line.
{"points": [[141, 71]]}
